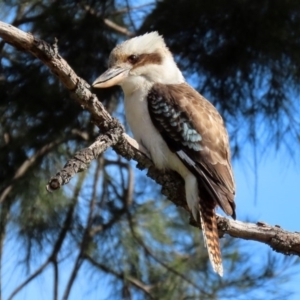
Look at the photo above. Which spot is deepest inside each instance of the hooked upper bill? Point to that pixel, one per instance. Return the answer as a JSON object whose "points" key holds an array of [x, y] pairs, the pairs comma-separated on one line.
{"points": [[112, 76]]}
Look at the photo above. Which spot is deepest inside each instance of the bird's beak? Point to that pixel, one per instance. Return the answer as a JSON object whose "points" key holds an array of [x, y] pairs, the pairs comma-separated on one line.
{"points": [[112, 76]]}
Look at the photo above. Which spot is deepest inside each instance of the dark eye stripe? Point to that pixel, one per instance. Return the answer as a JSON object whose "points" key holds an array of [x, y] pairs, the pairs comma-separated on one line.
{"points": [[145, 59]]}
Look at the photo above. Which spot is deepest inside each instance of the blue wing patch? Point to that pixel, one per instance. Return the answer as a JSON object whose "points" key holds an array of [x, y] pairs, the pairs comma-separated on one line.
{"points": [[173, 122]]}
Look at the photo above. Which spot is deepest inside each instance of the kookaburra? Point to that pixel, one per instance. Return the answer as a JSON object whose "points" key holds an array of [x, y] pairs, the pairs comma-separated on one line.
{"points": [[178, 127]]}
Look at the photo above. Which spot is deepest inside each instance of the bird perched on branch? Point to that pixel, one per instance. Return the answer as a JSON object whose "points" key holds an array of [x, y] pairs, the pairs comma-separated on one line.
{"points": [[179, 129]]}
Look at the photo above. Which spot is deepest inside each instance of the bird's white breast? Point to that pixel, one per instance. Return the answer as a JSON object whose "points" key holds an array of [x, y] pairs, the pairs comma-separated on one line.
{"points": [[138, 118]]}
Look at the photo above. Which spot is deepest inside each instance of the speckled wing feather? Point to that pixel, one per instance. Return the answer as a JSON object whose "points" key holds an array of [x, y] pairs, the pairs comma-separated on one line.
{"points": [[194, 130]]}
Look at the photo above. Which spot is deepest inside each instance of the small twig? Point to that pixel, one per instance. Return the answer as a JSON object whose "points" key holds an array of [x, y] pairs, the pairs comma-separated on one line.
{"points": [[83, 158], [118, 28], [128, 9], [109, 23], [55, 267], [26, 165], [129, 16], [35, 274], [137, 283], [130, 186]]}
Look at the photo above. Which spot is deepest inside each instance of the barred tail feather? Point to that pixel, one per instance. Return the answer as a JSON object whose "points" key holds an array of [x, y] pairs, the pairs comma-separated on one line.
{"points": [[211, 236]]}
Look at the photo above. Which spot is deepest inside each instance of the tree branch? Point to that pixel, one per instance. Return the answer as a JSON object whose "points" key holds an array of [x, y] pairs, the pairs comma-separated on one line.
{"points": [[109, 23], [172, 185], [277, 238], [26, 165], [82, 159], [135, 282]]}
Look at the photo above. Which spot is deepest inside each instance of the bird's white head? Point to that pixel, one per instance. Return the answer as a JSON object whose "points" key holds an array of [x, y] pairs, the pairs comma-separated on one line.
{"points": [[140, 61]]}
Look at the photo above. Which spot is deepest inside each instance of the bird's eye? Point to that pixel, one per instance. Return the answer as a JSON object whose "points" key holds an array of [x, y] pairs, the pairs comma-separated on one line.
{"points": [[132, 59]]}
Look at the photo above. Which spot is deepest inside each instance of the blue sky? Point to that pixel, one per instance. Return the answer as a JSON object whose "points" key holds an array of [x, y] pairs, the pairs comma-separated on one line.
{"points": [[277, 199]]}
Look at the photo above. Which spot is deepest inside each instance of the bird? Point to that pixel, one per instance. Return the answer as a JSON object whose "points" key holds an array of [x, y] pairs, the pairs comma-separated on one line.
{"points": [[177, 127]]}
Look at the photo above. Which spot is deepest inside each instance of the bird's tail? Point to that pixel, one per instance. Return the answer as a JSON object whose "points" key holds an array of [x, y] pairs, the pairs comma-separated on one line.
{"points": [[211, 236]]}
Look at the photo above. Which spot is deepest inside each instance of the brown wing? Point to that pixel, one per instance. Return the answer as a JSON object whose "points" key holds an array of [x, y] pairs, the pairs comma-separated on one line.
{"points": [[194, 130]]}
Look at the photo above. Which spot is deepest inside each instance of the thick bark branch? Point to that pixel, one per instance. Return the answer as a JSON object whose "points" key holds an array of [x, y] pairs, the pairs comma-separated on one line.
{"points": [[278, 239], [113, 135], [82, 159]]}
